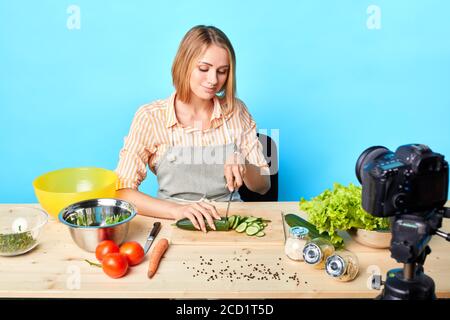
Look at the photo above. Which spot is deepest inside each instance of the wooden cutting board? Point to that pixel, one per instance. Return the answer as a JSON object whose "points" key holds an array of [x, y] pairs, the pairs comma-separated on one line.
{"points": [[274, 233]]}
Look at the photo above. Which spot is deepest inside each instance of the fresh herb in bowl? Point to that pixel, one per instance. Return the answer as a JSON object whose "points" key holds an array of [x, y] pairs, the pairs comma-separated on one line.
{"points": [[20, 229], [80, 220], [16, 242], [87, 221], [340, 209], [116, 218]]}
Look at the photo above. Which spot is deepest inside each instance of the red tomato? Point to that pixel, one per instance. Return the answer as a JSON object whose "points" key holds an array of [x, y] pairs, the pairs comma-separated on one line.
{"points": [[133, 251], [115, 265], [105, 247]]}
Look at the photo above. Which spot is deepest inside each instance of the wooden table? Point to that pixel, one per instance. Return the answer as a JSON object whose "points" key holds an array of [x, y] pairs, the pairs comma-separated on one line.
{"points": [[57, 269]]}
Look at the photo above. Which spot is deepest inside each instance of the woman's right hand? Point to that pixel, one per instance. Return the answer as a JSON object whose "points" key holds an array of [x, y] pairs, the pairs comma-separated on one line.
{"points": [[197, 213]]}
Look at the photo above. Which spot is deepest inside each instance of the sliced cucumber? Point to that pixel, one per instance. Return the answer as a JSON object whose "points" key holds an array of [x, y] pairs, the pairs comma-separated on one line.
{"points": [[253, 226], [251, 219], [231, 220], [256, 225], [237, 220], [252, 230], [241, 227]]}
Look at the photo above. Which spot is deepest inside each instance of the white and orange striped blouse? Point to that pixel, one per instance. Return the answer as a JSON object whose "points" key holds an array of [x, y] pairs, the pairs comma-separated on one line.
{"points": [[151, 130]]}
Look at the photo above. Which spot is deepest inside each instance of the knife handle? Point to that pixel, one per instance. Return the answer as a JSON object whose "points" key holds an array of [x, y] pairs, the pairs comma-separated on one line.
{"points": [[155, 230]]}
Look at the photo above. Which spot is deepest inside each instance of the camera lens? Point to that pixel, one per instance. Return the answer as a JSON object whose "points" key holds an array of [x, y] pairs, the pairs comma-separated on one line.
{"points": [[367, 156]]}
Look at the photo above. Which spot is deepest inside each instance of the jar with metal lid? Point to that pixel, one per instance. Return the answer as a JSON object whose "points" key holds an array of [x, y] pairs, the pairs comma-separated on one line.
{"points": [[293, 248], [316, 252], [343, 265]]}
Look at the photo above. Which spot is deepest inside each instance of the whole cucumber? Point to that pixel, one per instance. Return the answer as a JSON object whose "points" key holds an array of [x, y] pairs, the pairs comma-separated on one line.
{"points": [[221, 225], [294, 220]]}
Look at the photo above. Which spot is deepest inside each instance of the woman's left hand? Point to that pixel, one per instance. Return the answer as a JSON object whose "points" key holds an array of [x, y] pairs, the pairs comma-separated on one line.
{"points": [[234, 171]]}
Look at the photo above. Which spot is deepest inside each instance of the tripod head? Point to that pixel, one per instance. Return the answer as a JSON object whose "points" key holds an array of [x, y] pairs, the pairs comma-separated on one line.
{"points": [[410, 237], [411, 234]]}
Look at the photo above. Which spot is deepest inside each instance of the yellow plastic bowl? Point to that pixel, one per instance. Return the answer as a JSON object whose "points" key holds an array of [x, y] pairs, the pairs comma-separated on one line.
{"points": [[58, 189]]}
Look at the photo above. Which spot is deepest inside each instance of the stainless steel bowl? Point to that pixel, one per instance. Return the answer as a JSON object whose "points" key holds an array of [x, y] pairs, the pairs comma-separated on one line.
{"points": [[94, 214]]}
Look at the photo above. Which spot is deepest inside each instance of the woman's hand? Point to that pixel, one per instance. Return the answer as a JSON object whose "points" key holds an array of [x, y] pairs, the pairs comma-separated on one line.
{"points": [[197, 212], [234, 171]]}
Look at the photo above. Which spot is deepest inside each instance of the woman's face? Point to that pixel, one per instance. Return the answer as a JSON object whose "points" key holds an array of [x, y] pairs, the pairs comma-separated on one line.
{"points": [[210, 73]]}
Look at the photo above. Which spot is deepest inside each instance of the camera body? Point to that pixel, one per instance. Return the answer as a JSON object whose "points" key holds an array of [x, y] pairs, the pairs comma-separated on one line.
{"points": [[414, 179]]}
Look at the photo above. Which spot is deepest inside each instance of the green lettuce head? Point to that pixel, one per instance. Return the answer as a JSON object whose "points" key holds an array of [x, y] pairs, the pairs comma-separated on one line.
{"points": [[340, 209]]}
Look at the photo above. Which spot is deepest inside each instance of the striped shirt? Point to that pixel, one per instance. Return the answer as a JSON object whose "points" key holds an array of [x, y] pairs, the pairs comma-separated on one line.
{"points": [[154, 125]]}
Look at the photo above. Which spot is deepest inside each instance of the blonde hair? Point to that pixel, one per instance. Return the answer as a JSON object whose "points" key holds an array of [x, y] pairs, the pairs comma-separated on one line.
{"points": [[194, 43]]}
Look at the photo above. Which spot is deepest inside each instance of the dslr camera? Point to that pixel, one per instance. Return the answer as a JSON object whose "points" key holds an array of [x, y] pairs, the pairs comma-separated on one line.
{"points": [[411, 179]]}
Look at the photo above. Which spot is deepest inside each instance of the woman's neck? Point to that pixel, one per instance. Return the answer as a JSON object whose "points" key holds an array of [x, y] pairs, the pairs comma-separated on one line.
{"points": [[194, 111], [199, 106]]}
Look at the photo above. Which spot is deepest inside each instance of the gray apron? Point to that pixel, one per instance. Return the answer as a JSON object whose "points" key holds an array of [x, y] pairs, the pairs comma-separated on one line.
{"points": [[195, 173]]}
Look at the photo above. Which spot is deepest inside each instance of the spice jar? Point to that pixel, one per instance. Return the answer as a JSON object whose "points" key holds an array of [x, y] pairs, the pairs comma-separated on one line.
{"points": [[293, 248], [316, 252], [342, 265]]}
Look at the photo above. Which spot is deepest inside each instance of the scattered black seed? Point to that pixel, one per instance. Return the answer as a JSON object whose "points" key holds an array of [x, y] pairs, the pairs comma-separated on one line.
{"points": [[259, 272]]}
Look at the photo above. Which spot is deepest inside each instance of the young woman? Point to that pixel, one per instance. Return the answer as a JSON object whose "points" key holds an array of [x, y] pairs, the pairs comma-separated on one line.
{"points": [[200, 142]]}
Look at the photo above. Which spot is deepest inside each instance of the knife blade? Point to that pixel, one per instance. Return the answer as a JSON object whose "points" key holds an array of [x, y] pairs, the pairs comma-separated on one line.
{"points": [[228, 206], [152, 235]]}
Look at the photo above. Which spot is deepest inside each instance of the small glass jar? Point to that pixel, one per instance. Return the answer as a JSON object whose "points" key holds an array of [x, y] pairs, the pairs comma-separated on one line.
{"points": [[293, 248], [342, 265], [316, 252]]}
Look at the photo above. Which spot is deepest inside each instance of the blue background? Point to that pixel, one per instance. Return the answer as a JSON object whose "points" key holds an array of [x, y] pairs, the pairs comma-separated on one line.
{"points": [[311, 69]]}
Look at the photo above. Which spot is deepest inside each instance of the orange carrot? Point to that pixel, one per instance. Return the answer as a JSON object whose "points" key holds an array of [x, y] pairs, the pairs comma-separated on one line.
{"points": [[155, 258]]}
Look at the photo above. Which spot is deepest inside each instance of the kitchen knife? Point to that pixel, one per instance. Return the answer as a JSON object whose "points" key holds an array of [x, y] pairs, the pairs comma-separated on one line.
{"points": [[228, 206], [152, 236]]}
